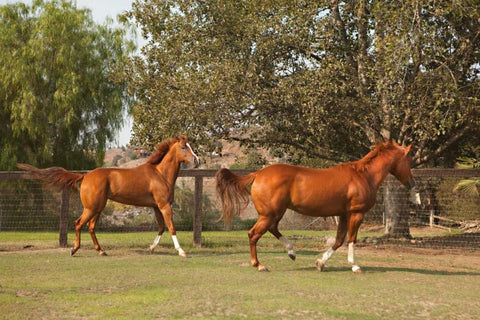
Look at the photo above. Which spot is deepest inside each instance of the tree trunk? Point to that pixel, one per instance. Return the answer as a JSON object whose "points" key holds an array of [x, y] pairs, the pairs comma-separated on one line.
{"points": [[396, 210]]}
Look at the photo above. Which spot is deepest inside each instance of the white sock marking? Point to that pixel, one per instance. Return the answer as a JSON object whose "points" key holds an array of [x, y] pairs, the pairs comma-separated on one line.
{"points": [[156, 241], [351, 253], [327, 255], [287, 245], [177, 247], [175, 242], [355, 268]]}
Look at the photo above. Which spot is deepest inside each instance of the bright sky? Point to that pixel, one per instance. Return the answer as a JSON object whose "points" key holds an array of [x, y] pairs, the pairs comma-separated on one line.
{"points": [[101, 9]]}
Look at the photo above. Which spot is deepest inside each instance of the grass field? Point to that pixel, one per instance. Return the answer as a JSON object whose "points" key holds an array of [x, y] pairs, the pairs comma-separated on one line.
{"points": [[40, 281]]}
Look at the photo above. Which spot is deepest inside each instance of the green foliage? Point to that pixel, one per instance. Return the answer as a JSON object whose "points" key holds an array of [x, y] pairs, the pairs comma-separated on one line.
{"points": [[252, 160], [468, 163], [469, 187], [314, 79], [59, 102], [184, 209]]}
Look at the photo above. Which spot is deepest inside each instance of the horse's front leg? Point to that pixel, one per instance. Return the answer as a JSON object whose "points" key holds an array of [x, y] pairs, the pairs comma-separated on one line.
{"points": [[167, 216], [353, 225], [340, 238], [161, 228]]}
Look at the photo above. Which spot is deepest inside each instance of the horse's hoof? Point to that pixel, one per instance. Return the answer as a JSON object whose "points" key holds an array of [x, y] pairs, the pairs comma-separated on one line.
{"points": [[72, 252], [182, 254], [320, 265], [152, 248], [292, 256], [356, 269], [262, 268], [102, 253]]}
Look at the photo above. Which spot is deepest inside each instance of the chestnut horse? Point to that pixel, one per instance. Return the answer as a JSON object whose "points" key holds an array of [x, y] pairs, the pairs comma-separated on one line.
{"points": [[148, 185], [347, 190]]}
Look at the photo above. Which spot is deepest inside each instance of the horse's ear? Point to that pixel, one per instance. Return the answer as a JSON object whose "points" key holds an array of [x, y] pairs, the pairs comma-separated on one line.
{"points": [[408, 148]]}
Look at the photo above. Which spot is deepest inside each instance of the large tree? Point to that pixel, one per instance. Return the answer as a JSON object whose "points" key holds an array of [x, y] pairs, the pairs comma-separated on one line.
{"points": [[59, 104], [315, 79], [327, 78]]}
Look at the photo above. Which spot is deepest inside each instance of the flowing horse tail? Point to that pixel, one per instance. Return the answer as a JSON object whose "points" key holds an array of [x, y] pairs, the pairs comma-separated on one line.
{"points": [[234, 192], [54, 176]]}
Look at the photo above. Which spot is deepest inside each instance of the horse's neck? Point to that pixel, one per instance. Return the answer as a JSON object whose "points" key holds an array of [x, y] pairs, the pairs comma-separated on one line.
{"points": [[378, 170], [169, 168]]}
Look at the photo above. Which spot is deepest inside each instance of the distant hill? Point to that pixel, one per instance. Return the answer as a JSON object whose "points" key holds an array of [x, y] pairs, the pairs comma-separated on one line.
{"points": [[125, 157], [232, 153]]}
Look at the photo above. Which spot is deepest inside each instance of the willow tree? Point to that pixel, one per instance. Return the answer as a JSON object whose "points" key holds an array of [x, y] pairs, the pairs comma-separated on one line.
{"points": [[59, 104], [322, 79]]}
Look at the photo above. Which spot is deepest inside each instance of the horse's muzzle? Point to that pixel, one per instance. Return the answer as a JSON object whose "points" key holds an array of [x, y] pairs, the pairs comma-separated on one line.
{"points": [[414, 194]]}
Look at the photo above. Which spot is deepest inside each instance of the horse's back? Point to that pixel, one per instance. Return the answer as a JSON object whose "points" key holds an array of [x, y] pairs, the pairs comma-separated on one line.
{"points": [[125, 185], [315, 192]]}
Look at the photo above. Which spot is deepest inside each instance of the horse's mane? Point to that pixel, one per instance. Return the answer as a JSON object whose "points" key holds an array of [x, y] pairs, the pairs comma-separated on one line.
{"points": [[161, 150], [380, 148]]}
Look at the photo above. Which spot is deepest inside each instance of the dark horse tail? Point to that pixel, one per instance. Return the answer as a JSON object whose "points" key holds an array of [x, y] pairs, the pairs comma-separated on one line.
{"points": [[234, 192], [54, 176]]}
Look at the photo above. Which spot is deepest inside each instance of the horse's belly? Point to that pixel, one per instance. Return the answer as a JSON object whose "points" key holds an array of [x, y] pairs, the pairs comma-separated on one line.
{"points": [[319, 194], [139, 200], [319, 210]]}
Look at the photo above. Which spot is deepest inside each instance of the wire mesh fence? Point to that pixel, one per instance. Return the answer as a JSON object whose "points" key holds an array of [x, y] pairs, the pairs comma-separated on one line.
{"points": [[444, 219]]}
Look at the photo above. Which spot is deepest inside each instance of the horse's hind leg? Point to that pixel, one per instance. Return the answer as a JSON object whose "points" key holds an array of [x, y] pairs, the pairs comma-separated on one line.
{"points": [[288, 246], [341, 233], [161, 228], [255, 233], [78, 229], [79, 223], [91, 228]]}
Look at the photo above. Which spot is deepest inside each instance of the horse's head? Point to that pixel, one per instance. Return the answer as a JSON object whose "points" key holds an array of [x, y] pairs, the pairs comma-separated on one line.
{"points": [[185, 154], [401, 170]]}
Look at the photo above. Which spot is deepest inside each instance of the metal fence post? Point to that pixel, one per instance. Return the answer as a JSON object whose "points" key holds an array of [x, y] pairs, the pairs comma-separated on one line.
{"points": [[197, 220], [63, 225]]}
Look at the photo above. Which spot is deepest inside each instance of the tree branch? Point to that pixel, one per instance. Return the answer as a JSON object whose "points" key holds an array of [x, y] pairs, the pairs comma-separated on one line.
{"points": [[337, 19], [442, 148], [296, 145], [362, 56], [315, 57]]}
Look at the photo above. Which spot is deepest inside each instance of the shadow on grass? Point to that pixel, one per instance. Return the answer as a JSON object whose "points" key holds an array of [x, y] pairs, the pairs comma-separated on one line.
{"points": [[159, 251], [308, 253], [421, 271], [389, 269]]}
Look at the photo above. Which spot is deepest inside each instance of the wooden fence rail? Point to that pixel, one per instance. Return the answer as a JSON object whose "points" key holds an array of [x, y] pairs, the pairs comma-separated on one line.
{"points": [[198, 175]]}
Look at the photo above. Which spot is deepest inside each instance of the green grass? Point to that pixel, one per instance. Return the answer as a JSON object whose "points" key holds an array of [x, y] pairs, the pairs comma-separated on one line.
{"points": [[216, 281]]}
